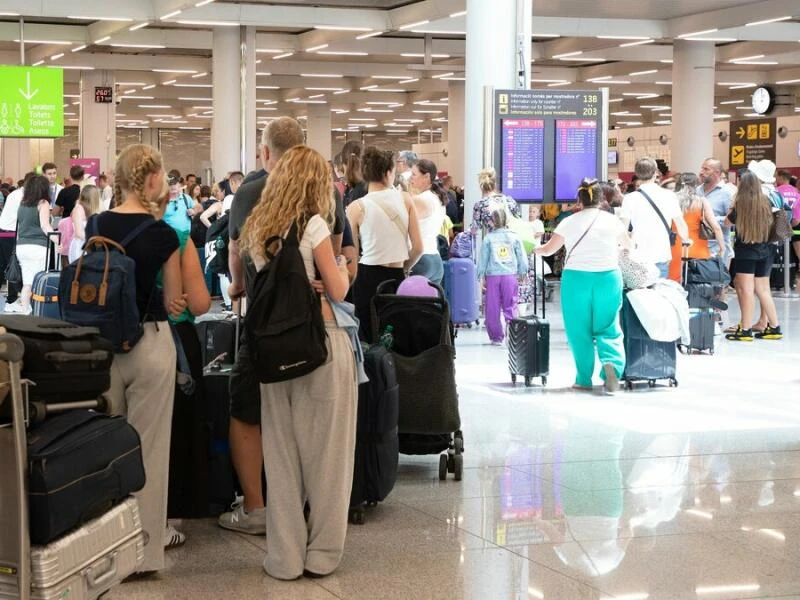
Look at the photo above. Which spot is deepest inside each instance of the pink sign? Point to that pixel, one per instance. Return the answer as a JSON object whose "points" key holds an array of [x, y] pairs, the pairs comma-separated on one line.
{"points": [[91, 166]]}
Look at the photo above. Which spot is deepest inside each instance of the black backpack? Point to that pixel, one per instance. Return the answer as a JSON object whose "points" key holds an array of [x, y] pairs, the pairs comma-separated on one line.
{"points": [[284, 326], [219, 236]]}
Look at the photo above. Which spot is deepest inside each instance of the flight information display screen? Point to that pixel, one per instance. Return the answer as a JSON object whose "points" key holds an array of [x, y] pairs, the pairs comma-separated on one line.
{"points": [[576, 156], [522, 159]]}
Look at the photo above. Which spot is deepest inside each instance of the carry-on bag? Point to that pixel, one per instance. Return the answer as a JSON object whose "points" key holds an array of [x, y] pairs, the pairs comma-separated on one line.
{"points": [[645, 359], [44, 290], [82, 463], [702, 296], [217, 337], [701, 329], [67, 362], [463, 291], [528, 340], [377, 443]]}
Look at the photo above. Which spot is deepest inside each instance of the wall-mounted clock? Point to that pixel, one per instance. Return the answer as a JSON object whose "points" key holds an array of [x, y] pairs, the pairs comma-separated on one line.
{"points": [[763, 100]]}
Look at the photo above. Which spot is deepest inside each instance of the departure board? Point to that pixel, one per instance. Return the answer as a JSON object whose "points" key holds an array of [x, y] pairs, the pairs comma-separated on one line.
{"points": [[576, 156], [545, 141], [522, 159]]}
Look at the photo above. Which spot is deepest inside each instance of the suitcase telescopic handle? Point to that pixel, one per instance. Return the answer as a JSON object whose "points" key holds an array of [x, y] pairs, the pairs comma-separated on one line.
{"points": [[536, 287]]}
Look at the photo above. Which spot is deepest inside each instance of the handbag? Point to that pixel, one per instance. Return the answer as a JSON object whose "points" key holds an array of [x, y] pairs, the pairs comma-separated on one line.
{"points": [[13, 272], [673, 237], [636, 275], [706, 232], [781, 230]]}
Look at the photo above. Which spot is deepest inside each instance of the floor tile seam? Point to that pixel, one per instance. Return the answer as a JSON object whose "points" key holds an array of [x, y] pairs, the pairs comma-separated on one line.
{"points": [[444, 521]]}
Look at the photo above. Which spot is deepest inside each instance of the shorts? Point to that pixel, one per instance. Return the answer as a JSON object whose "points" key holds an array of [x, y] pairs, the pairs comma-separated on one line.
{"points": [[758, 267], [243, 387]]}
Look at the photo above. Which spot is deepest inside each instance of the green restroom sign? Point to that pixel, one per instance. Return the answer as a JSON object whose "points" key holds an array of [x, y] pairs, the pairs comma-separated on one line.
{"points": [[31, 102]]}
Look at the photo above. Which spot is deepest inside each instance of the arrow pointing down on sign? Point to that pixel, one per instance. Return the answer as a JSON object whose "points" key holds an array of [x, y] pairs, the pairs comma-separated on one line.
{"points": [[29, 94], [740, 132]]}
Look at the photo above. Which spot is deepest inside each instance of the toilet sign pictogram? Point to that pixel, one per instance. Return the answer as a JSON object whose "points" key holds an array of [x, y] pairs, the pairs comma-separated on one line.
{"points": [[31, 102]]}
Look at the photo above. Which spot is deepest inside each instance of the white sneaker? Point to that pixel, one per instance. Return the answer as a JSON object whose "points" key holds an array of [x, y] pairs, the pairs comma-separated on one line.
{"points": [[252, 523], [13, 307], [173, 538]]}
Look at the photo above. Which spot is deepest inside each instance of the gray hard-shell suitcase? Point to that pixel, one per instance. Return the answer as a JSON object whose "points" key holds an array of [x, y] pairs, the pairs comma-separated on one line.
{"points": [[82, 565]]}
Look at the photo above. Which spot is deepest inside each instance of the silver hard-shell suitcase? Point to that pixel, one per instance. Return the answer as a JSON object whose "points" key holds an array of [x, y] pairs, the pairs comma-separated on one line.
{"points": [[81, 565]]}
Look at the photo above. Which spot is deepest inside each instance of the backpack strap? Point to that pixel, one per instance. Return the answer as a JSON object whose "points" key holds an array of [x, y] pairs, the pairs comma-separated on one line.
{"points": [[135, 233]]}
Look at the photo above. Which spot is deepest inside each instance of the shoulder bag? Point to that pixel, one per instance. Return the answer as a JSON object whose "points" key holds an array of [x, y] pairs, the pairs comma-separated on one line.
{"points": [[672, 235], [13, 272]]}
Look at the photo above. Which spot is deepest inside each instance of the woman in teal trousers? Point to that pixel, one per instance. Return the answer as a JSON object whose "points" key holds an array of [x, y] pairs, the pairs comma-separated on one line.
{"points": [[591, 288]]}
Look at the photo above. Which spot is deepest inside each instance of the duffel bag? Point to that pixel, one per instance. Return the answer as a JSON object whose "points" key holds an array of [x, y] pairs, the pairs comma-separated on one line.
{"points": [[709, 270], [81, 464], [67, 362]]}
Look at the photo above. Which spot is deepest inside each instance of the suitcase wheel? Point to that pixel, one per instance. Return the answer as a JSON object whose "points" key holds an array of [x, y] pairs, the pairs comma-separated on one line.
{"points": [[628, 384], [514, 378], [357, 515], [443, 467], [458, 467], [544, 380], [527, 382], [458, 444], [673, 382], [651, 383]]}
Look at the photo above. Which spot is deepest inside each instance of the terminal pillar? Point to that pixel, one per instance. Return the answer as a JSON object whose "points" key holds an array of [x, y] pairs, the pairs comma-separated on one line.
{"points": [[226, 136], [692, 105], [97, 129], [248, 91], [318, 132], [491, 61], [455, 131]]}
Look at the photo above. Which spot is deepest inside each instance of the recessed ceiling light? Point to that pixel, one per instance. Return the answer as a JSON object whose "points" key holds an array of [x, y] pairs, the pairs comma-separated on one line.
{"points": [[756, 62], [195, 99], [154, 106], [410, 80], [38, 62], [334, 75], [640, 43], [412, 25], [315, 48], [765, 21], [754, 57], [371, 34], [439, 31], [736, 101], [342, 53], [388, 90], [149, 87], [788, 81], [208, 23], [119, 19], [566, 54], [460, 13], [203, 3], [57, 56], [443, 75], [545, 35], [179, 71], [422, 55], [622, 37], [174, 13], [74, 68], [54, 42], [137, 45], [648, 72], [284, 55], [696, 33], [340, 92], [583, 59], [559, 84], [194, 85]]}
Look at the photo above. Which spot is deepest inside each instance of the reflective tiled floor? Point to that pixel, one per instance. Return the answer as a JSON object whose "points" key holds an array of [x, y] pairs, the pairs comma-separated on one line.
{"points": [[688, 492]]}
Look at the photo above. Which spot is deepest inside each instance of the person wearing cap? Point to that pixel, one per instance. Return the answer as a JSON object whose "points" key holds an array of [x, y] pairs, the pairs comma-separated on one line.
{"points": [[752, 215], [712, 187], [180, 207]]}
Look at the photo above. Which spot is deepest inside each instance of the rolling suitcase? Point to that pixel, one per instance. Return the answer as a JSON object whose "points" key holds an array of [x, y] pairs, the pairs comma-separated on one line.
{"points": [[528, 340], [67, 362], [82, 565], [463, 283], [702, 296], [44, 291], [217, 337], [701, 329], [377, 442], [645, 359]]}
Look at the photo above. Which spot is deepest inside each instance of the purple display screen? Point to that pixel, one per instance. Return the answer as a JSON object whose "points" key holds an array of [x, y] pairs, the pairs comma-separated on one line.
{"points": [[576, 156], [522, 162]]}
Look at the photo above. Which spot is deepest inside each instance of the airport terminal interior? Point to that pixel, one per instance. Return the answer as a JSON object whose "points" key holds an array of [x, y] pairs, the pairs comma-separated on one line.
{"points": [[686, 491]]}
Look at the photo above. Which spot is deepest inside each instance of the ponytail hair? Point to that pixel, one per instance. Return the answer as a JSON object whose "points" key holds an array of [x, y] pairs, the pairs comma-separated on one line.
{"points": [[487, 180], [428, 167], [590, 194], [351, 160], [134, 165]]}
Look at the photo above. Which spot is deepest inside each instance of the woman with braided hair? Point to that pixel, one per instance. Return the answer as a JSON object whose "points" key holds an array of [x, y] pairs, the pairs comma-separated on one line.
{"points": [[143, 380], [591, 287]]}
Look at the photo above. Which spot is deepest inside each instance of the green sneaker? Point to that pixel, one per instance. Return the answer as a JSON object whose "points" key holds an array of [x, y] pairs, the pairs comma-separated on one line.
{"points": [[770, 333], [740, 335]]}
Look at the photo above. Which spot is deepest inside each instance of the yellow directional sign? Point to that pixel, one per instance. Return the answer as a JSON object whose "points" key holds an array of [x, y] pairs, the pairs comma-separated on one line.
{"points": [[740, 133], [752, 139], [752, 131], [31, 102], [737, 155], [763, 131]]}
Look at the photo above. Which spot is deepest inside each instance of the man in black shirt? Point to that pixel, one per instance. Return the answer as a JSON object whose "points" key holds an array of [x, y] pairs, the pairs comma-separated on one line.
{"points": [[66, 199]]}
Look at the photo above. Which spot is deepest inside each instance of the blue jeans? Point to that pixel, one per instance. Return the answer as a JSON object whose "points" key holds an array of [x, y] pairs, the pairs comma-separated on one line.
{"points": [[430, 266], [663, 267]]}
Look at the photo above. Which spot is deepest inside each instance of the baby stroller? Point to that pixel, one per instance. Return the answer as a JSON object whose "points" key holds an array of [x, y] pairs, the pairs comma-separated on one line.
{"points": [[424, 356]]}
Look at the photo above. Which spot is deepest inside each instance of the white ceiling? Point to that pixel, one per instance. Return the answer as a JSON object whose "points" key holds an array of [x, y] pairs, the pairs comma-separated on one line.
{"points": [[183, 40]]}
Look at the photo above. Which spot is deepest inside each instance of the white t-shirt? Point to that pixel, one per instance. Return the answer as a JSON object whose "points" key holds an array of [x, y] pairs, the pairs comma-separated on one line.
{"points": [[8, 218], [317, 231], [537, 226], [598, 251], [227, 202], [650, 237], [106, 194]]}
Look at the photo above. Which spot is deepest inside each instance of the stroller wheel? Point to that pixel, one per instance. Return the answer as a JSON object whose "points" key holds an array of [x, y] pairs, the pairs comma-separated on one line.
{"points": [[458, 471], [442, 467]]}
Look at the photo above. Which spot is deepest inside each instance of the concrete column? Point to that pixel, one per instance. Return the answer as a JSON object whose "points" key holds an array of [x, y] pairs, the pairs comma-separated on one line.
{"points": [[150, 137], [97, 129], [692, 105], [491, 61], [15, 158], [456, 123], [524, 48], [318, 133], [248, 100], [226, 128]]}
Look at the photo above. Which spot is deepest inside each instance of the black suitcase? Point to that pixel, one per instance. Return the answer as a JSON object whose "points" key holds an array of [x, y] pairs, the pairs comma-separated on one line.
{"points": [[82, 463], [68, 363], [377, 442], [701, 294], [528, 340], [217, 338], [645, 358]]}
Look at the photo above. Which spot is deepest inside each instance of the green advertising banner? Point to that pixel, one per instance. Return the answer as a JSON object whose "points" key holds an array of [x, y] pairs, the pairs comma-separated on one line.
{"points": [[31, 102]]}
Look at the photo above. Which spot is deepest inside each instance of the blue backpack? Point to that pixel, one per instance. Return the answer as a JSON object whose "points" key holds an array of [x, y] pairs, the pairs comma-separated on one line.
{"points": [[99, 288]]}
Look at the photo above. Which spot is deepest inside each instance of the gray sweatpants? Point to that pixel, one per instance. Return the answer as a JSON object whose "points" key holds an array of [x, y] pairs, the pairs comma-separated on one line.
{"points": [[308, 433], [143, 389]]}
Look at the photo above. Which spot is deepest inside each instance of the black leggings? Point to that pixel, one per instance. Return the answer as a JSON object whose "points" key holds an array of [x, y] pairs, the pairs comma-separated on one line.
{"points": [[367, 282]]}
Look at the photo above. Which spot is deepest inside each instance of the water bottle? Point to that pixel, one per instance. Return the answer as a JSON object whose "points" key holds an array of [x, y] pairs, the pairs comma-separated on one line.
{"points": [[387, 337]]}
